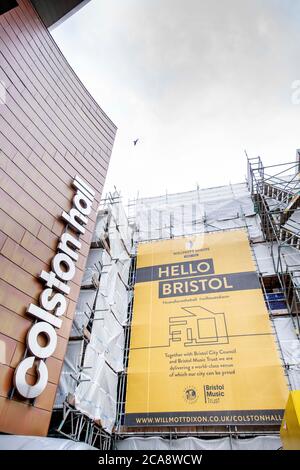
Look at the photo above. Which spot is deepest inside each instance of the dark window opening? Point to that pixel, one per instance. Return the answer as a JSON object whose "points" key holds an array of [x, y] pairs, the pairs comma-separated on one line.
{"points": [[7, 5], [274, 295]]}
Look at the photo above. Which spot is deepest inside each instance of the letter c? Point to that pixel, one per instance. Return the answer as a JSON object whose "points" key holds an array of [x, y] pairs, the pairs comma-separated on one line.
{"points": [[24, 389]]}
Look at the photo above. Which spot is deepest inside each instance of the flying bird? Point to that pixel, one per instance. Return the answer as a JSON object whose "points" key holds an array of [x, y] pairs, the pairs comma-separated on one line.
{"points": [[135, 141]]}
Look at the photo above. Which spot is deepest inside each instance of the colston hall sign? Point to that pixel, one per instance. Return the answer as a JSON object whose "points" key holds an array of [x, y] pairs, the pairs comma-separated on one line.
{"points": [[52, 301]]}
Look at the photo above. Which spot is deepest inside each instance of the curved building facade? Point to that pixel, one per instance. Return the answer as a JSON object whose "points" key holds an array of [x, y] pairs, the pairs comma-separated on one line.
{"points": [[51, 132]]}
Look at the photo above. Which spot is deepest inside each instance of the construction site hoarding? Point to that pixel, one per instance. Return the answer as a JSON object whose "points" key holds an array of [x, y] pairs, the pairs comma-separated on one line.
{"points": [[202, 350]]}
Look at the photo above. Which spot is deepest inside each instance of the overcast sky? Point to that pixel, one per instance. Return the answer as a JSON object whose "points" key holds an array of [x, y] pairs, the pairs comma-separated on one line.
{"points": [[197, 81]]}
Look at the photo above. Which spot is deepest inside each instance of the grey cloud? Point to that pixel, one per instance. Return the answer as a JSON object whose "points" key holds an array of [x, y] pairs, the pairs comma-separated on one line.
{"points": [[198, 80]]}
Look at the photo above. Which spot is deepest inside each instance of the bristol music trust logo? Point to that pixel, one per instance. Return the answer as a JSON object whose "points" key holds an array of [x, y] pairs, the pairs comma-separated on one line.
{"points": [[190, 394], [213, 393]]}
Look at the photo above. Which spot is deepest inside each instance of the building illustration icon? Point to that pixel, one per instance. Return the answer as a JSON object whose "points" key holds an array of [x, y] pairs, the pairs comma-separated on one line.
{"points": [[198, 326]]}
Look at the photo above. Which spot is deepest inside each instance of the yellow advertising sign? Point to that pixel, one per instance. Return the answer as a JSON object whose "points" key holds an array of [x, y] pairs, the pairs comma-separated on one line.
{"points": [[202, 350]]}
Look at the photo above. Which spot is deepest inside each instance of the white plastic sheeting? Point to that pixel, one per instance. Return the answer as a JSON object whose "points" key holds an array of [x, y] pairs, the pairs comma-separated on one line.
{"points": [[72, 361], [119, 221], [264, 260], [293, 222], [235, 222], [158, 443], [108, 337], [92, 267], [290, 347], [220, 208], [105, 261], [118, 248], [113, 289], [41, 443], [123, 266], [83, 311], [163, 216], [101, 226], [290, 256], [254, 229], [193, 443], [96, 395], [119, 254], [257, 443]]}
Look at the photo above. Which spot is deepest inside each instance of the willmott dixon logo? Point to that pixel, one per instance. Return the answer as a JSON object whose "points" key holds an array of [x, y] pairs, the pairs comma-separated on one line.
{"points": [[190, 394], [189, 245]]}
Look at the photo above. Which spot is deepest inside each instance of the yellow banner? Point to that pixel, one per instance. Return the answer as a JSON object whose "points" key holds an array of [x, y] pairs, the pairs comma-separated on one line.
{"points": [[202, 350]]}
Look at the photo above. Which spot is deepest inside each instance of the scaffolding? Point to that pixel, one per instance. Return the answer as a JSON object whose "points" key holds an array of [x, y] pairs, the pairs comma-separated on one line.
{"points": [[86, 401], [77, 427], [123, 374], [267, 206], [232, 207], [275, 191]]}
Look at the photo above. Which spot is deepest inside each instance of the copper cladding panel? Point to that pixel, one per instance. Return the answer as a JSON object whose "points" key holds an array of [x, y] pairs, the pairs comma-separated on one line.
{"points": [[50, 130]]}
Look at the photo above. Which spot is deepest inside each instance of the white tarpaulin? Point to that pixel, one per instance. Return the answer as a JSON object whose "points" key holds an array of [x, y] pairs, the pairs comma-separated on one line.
{"points": [[96, 395], [92, 267], [106, 261], [107, 336], [115, 292], [101, 226], [41, 443], [119, 220], [123, 266], [193, 443], [253, 224], [290, 256], [119, 254], [158, 443], [83, 311], [290, 347], [72, 361], [257, 443], [224, 207], [118, 248], [264, 259], [293, 222]]}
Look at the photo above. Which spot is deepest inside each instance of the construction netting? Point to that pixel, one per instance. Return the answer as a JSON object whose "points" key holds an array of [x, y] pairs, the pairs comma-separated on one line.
{"points": [[90, 372]]}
